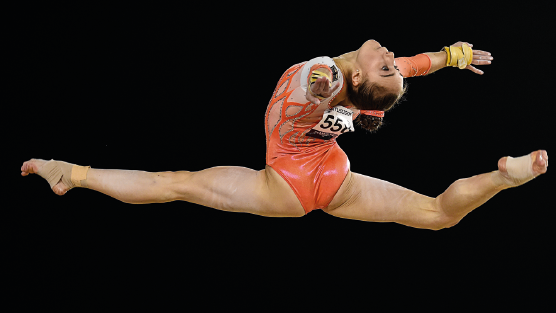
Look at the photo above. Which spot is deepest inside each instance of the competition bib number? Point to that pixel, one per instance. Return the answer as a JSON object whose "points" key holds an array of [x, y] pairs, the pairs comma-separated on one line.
{"points": [[335, 122]]}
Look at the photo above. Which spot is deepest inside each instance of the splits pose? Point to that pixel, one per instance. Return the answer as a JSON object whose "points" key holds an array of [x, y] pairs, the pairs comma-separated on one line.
{"points": [[313, 103]]}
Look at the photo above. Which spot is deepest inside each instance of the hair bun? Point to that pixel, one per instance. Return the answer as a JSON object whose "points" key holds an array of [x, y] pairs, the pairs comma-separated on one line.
{"points": [[369, 122]]}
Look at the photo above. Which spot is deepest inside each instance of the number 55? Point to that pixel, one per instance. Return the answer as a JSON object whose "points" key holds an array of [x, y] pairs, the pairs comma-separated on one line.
{"points": [[326, 121], [338, 124]]}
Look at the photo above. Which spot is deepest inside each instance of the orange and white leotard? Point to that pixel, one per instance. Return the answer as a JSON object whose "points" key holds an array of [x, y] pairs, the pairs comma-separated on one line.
{"points": [[308, 159], [301, 136]]}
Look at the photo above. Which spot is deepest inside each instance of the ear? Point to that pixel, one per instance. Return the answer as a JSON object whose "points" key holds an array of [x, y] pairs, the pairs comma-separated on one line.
{"points": [[356, 78]]}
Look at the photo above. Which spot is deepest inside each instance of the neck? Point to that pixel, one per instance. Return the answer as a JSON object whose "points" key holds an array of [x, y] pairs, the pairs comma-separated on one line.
{"points": [[346, 64]]}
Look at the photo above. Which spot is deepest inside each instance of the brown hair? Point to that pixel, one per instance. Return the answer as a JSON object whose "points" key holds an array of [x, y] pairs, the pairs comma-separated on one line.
{"points": [[371, 96]]}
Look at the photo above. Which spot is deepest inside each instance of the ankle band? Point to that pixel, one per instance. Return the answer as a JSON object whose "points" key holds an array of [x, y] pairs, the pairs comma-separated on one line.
{"points": [[79, 175], [71, 175]]}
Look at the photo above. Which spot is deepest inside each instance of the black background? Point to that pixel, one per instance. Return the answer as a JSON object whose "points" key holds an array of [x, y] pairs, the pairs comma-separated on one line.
{"points": [[156, 89]]}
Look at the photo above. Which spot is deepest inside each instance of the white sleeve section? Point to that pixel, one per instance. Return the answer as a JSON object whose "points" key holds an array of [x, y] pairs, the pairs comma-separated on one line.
{"points": [[320, 60]]}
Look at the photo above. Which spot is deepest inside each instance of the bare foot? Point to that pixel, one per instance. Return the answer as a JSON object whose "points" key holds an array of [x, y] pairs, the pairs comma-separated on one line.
{"points": [[539, 165], [33, 166]]}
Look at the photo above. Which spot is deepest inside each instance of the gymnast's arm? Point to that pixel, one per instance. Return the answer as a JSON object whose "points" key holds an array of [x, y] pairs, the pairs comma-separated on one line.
{"points": [[430, 62], [319, 83]]}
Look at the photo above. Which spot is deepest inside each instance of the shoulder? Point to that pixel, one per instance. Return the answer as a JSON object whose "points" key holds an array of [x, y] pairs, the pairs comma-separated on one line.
{"points": [[321, 64]]}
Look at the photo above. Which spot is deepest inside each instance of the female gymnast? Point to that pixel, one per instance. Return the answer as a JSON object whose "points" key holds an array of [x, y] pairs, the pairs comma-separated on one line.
{"points": [[313, 103]]}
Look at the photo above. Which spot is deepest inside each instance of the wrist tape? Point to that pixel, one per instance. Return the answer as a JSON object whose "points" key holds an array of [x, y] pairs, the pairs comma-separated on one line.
{"points": [[458, 56], [316, 74]]}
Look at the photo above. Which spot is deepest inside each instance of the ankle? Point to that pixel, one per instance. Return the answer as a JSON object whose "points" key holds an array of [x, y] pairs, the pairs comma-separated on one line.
{"points": [[79, 175], [500, 181]]}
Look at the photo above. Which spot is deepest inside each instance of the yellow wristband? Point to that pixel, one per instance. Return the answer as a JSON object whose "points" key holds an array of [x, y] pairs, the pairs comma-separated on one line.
{"points": [[459, 56], [316, 75]]}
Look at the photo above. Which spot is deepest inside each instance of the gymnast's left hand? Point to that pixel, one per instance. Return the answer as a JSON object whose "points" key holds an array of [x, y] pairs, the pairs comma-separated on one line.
{"points": [[479, 58], [322, 88]]}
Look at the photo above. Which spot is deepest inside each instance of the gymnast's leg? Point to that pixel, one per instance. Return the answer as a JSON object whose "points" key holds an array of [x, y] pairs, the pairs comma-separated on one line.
{"points": [[227, 188], [369, 199]]}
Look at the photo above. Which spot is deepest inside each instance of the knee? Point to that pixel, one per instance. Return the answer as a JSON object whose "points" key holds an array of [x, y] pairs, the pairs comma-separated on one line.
{"points": [[452, 223], [441, 220], [173, 185]]}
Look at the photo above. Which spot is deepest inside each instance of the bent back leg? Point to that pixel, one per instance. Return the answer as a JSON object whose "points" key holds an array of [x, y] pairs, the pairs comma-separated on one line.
{"points": [[374, 200], [370, 199]]}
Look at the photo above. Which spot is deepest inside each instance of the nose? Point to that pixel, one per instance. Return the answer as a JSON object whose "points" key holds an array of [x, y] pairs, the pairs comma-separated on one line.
{"points": [[388, 53]]}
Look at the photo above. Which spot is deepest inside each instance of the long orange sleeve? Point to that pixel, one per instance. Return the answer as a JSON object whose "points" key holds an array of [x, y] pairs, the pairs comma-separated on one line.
{"points": [[418, 65]]}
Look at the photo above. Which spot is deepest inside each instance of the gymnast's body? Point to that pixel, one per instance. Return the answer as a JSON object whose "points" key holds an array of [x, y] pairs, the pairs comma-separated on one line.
{"points": [[314, 102]]}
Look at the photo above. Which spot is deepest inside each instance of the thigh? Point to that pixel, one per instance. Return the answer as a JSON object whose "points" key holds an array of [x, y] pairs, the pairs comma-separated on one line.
{"points": [[370, 199], [240, 189]]}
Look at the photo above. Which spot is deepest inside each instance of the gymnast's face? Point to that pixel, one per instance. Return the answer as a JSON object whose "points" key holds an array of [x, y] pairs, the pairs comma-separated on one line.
{"points": [[377, 63]]}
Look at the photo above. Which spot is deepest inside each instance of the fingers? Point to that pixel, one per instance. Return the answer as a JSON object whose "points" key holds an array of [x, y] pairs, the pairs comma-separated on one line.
{"points": [[478, 55], [334, 88], [481, 58], [320, 87], [480, 52], [312, 98], [327, 91], [474, 70], [316, 89], [312, 90], [481, 62]]}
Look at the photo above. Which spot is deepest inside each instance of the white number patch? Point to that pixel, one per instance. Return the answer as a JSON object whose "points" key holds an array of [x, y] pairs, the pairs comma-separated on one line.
{"points": [[335, 122]]}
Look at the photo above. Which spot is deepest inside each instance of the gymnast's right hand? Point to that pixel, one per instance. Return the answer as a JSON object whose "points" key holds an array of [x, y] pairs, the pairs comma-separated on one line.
{"points": [[320, 88]]}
